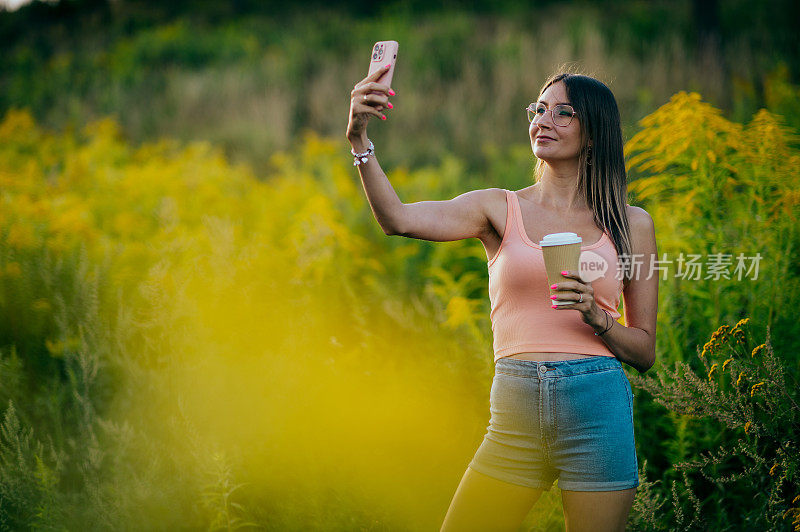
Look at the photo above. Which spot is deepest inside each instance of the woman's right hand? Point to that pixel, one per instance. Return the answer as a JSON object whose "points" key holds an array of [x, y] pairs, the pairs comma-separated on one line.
{"points": [[363, 103]]}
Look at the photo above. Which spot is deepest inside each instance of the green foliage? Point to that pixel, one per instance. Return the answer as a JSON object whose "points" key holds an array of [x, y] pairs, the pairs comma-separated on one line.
{"points": [[250, 77], [177, 44], [746, 393], [720, 189], [18, 493]]}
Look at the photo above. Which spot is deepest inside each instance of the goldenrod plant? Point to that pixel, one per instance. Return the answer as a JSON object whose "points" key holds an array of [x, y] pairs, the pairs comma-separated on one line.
{"points": [[746, 391]]}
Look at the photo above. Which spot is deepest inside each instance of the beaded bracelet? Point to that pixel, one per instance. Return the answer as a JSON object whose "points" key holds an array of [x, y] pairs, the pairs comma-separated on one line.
{"points": [[362, 157], [609, 327]]}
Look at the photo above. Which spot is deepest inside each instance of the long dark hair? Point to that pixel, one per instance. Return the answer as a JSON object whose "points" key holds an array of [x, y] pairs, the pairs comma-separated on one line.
{"points": [[603, 184]]}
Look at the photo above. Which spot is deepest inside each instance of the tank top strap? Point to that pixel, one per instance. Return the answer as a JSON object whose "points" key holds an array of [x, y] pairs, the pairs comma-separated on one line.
{"points": [[512, 217], [516, 213]]}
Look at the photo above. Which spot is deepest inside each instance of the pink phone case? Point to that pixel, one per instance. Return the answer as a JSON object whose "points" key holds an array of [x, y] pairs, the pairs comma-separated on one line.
{"points": [[383, 53]]}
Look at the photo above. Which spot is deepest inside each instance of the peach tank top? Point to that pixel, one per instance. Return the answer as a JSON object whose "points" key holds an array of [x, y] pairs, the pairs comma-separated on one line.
{"points": [[522, 316]]}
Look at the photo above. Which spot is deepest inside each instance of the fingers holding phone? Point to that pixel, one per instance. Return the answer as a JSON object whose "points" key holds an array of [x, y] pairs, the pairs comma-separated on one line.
{"points": [[371, 95], [370, 92]]}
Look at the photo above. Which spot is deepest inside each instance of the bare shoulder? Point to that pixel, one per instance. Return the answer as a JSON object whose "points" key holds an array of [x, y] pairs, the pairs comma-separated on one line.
{"points": [[489, 204], [641, 223], [495, 207], [494, 196], [637, 213], [492, 206]]}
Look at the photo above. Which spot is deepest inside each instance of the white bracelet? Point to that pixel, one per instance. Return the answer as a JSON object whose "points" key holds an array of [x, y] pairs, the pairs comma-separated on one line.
{"points": [[362, 157]]}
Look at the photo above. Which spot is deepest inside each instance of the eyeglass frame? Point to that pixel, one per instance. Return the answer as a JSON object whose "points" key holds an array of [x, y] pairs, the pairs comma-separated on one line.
{"points": [[574, 112]]}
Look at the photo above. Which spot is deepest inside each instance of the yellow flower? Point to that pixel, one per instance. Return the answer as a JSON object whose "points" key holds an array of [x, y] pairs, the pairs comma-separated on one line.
{"points": [[20, 236], [712, 345], [737, 331], [772, 469], [747, 427], [706, 349], [755, 386], [713, 367], [721, 332], [740, 324], [757, 349], [740, 378], [725, 364]]}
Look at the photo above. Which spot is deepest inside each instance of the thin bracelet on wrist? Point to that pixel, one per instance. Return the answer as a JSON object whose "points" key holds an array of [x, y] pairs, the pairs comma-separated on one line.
{"points": [[608, 326]]}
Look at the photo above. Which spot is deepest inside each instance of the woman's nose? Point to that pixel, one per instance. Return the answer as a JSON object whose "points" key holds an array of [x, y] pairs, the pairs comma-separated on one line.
{"points": [[549, 116], [542, 121]]}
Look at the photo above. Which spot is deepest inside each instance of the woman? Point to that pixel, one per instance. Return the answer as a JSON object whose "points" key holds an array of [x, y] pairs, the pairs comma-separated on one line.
{"points": [[561, 405]]}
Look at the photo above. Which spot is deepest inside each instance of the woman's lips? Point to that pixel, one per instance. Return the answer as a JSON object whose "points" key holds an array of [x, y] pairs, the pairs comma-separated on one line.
{"points": [[544, 138]]}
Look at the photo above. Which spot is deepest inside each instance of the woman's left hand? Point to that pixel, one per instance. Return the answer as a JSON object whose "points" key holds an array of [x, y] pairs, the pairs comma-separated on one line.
{"points": [[583, 292]]}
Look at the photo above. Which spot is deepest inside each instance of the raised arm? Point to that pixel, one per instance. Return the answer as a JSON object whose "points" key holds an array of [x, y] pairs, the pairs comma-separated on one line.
{"points": [[464, 216]]}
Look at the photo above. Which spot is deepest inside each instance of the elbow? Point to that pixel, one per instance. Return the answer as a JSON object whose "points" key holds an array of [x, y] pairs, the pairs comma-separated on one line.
{"points": [[390, 229], [393, 223], [648, 358], [649, 361]]}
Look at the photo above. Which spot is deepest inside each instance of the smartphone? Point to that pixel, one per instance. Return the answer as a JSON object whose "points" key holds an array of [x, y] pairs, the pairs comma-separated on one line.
{"points": [[383, 53]]}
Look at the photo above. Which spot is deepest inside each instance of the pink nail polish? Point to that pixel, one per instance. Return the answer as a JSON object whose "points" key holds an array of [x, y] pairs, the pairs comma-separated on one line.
{"points": [[387, 66], [554, 306], [564, 272], [553, 297], [389, 105], [383, 118], [391, 92], [553, 287]]}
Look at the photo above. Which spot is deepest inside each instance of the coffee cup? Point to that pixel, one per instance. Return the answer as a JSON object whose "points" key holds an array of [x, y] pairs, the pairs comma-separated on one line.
{"points": [[561, 251]]}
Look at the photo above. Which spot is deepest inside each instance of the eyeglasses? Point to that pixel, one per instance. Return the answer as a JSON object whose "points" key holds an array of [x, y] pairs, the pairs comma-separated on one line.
{"points": [[562, 114]]}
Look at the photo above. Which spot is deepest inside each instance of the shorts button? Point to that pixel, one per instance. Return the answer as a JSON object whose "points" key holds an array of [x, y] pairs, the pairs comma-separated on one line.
{"points": [[542, 369]]}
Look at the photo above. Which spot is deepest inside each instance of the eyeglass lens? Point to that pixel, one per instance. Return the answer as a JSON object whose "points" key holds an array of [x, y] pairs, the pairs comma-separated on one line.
{"points": [[562, 114]]}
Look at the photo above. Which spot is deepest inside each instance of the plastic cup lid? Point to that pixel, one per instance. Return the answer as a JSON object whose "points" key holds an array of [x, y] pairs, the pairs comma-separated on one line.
{"points": [[559, 239]]}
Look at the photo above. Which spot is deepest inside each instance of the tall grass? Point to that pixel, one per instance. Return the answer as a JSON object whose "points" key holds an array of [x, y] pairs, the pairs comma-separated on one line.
{"points": [[251, 86]]}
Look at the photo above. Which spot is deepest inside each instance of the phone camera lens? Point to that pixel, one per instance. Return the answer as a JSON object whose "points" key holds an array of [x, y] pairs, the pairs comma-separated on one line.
{"points": [[374, 56]]}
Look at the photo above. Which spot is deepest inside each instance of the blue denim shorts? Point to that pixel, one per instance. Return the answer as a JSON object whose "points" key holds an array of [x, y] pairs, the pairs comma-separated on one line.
{"points": [[570, 420]]}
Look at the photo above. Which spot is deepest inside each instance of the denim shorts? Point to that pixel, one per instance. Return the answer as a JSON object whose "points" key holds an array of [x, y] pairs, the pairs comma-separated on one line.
{"points": [[570, 420]]}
